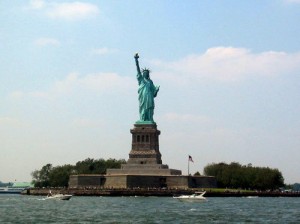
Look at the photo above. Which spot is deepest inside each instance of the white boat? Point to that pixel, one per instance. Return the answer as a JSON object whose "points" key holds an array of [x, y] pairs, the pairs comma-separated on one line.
{"points": [[58, 196], [196, 197]]}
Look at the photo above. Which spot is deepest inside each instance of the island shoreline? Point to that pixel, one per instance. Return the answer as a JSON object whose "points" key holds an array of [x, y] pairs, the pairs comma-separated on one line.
{"points": [[154, 192]]}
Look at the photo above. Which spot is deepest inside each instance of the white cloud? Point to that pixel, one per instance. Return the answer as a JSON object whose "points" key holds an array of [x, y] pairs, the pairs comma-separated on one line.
{"points": [[100, 83], [103, 51], [36, 4], [72, 11], [67, 10], [293, 1], [66, 85], [47, 41], [231, 64]]}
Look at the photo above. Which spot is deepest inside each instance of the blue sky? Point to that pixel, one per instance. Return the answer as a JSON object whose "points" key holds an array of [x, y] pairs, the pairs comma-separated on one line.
{"points": [[228, 71]]}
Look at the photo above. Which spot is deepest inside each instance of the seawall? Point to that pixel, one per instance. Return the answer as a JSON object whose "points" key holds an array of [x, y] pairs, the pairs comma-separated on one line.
{"points": [[152, 192]]}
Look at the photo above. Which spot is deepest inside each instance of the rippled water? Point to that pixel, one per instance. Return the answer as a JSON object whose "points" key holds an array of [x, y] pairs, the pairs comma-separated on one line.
{"points": [[33, 209]]}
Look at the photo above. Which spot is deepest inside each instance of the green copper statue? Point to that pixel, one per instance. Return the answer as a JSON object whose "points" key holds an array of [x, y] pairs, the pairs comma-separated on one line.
{"points": [[147, 91]]}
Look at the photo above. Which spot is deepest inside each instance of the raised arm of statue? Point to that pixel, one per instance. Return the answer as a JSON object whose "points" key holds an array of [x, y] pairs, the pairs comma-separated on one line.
{"points": [[136, 57]]}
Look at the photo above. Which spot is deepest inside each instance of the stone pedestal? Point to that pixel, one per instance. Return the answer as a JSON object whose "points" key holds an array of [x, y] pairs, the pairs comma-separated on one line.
{"points": [[144, 157], [145, 145]]}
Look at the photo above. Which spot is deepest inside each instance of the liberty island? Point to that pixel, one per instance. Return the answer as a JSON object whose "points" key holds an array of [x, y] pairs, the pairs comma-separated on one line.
{"points": [[144, 168], [144, 173]]}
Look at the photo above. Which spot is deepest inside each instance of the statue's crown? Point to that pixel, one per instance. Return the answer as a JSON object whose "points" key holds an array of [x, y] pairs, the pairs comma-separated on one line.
{"points": [[145, 70]]}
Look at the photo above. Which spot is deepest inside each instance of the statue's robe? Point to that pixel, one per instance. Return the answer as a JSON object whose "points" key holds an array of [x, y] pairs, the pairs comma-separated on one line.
{"points": [[147, 91]]}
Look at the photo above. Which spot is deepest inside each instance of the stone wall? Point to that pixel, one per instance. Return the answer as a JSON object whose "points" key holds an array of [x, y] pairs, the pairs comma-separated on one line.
{"points": [[85, 180], [202, 181], [116, 181], [141, 181], [148, 169]]}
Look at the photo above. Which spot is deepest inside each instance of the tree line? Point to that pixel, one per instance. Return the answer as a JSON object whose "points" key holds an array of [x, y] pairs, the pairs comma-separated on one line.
{"points": [[58, 176], [235, 175]]}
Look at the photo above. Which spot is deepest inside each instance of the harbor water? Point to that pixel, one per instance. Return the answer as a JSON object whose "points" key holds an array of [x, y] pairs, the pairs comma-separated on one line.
{"points": [[34, 209]]}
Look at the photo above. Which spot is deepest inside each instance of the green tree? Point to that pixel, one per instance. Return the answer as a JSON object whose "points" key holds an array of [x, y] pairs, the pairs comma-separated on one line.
{"points": [[234, 175], [58, 176], [41, 177]]}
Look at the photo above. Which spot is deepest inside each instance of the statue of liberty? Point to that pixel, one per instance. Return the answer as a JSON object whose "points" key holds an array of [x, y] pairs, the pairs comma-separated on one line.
{"points": [[147, 91]]}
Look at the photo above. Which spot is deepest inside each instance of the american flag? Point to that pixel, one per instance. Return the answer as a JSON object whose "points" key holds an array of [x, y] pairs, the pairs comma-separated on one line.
{"points": [[190, 159]]}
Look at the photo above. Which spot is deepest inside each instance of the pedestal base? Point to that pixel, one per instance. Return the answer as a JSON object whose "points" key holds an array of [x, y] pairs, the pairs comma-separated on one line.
{"points": [[143, 169], [141, 181]]}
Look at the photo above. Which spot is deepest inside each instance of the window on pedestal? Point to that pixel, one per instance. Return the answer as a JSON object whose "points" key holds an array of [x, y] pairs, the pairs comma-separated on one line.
{"points": [[142, 138]]}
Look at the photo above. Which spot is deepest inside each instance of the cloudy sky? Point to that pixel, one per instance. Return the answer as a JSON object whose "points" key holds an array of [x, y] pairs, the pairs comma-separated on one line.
{"points": [[228, 71]]}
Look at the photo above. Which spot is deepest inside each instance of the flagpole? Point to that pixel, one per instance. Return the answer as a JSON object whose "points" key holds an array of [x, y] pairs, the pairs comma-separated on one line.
{"points": [[188, 167], [190, 159]]}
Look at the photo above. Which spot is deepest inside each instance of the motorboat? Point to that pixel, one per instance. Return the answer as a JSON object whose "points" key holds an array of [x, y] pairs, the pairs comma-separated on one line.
{"points": [[196, 197], [59, 196]]}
